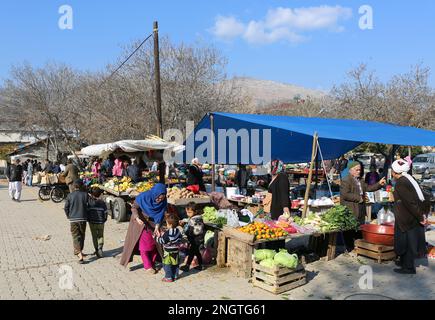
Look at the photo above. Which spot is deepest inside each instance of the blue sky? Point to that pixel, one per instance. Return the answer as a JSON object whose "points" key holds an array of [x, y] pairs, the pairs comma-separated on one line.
{"points": [[308, 43]]}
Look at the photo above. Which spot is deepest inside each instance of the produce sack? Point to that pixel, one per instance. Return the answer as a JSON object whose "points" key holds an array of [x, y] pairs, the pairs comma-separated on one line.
{"points": [[36, 179], [263, 254], [285, 259], [269, 263]]}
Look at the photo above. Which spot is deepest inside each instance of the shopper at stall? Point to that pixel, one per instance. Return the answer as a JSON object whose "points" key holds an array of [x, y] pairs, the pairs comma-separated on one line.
{"points": [[76, 210], [97, 217], [125, 165], [96, 167], [353, 195], [108, 164], [372, 177], [195, 175], [56, 168], [148, 211], [279, 188], [117, 168], [14, 174], [71, 174], [133, 171], [24, 176], [242, 176], [409, 234], [221, 180], [29, 181]]}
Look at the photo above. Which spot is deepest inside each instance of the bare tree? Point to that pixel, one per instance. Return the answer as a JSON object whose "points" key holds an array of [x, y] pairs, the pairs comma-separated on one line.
{"points": [[40, 99]]}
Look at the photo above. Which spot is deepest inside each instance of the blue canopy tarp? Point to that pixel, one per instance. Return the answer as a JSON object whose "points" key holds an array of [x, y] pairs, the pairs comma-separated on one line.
{"points": [[290, 138]]}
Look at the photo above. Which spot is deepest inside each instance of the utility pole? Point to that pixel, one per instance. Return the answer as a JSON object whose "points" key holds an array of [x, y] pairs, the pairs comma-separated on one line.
{"points": [[162, 164], [157, 80]]}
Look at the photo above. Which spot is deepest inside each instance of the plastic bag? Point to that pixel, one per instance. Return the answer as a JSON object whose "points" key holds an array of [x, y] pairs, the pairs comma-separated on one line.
{"points": [[389, 218], [233, 219], [248, 213], [381, 216]]}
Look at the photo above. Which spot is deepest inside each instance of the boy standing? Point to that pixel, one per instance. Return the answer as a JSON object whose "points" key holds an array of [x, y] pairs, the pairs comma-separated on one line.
{"points": [[195, 232], [171, 241], [76, 210], [97, 217]]}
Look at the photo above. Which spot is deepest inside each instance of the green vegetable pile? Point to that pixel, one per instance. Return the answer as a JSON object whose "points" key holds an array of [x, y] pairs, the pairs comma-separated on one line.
{"points": [[271, 259], [210, 217], [338, 218], [263, 254]]}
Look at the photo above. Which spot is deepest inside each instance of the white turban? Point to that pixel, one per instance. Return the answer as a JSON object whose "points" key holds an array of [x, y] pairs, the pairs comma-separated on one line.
{"points": [[195, 161], [400, 166]]}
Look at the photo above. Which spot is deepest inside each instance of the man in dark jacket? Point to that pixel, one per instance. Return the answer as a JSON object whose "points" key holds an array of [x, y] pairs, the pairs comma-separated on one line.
{"points": [[353, 195], [76, 210], [242, 176], [14, 174], [195, 175], [97, 217], [133, 171], [409, 236]]}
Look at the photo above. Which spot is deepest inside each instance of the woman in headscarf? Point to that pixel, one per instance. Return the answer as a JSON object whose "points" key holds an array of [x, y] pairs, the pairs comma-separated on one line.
{"points": [[409, 236], [148, 211], [279, 188]]}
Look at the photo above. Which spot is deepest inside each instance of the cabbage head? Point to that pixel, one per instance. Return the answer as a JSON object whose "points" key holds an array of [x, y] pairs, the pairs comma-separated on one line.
{"points": [[285, 259], [269, 263], [263, 254]]}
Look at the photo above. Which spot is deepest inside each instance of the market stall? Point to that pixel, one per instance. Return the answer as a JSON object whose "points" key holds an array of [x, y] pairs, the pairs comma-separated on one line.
{"points": [[292, 140], [121, 192]]}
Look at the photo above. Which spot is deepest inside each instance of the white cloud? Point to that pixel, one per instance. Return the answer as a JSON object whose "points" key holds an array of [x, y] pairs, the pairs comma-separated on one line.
{"points": [[282, 24], [227, 28]]}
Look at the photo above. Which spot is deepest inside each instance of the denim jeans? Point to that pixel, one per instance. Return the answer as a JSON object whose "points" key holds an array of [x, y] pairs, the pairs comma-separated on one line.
{"points": [[30, 179], [171, 272]]}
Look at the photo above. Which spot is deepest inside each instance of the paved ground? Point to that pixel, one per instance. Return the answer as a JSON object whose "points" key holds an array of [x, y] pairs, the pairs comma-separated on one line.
{"points": [[33, 269]]}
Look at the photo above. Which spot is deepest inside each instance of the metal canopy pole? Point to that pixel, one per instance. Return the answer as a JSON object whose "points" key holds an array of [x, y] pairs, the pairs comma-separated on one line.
{"points": [[213, 164]]}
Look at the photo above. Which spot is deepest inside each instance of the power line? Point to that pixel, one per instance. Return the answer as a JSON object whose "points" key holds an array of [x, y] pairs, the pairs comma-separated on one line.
{"points": [[125, 61]]}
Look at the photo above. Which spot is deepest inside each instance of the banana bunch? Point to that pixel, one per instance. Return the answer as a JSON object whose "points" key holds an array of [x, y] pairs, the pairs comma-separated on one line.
{"points": [[144, 186]]}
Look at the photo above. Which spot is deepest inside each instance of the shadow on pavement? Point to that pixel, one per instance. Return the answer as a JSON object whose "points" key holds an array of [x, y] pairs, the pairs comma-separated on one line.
{"points": [[139, 266], [114, 252]]}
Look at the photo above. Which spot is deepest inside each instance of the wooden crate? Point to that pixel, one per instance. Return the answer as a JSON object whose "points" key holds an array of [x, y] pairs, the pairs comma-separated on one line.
{"points": [[279, 279], [377, 252], [235, 251]]}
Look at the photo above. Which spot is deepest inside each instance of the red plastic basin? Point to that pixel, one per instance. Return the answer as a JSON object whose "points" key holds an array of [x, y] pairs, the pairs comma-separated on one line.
{"points": [[377, 234]]}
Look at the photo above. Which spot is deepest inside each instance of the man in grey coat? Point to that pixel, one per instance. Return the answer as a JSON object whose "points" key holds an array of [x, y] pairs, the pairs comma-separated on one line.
{"points": [[353, 195]]}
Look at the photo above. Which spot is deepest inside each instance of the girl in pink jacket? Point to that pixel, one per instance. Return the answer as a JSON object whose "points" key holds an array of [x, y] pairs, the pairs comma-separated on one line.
{"points": [[117, 168]]}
